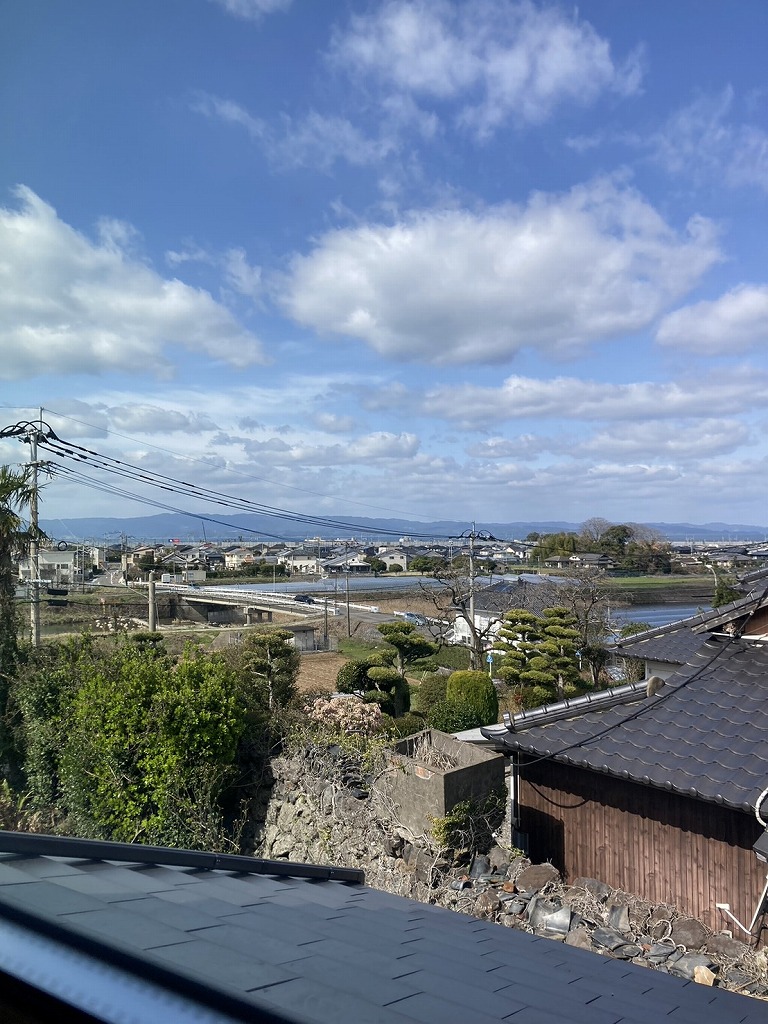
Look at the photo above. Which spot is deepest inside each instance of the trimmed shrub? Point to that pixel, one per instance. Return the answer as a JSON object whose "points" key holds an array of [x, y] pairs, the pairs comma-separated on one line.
{"points": [[431, 690], [535, 696], [406, 725], [477, 689], [453, 716]]}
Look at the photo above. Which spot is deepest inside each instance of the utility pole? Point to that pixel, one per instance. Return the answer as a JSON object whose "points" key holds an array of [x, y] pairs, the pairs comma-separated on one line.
{"points": [[32, 433], [34, 547]]}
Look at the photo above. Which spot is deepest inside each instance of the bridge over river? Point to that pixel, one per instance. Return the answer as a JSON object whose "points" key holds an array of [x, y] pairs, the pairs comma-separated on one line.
{"points": [[258, 605]]}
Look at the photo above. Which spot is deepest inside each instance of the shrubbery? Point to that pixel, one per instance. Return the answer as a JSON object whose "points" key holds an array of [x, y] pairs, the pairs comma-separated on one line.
{"points": [[128, 744], [477, 690]]}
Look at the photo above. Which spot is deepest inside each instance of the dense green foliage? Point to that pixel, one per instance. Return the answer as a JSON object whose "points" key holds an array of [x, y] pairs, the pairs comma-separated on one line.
{"points": [[128, 744], [477, 690], [454, 715], [17, 492], [632, 548], [377, 681], [539, 651], [431, 689]]}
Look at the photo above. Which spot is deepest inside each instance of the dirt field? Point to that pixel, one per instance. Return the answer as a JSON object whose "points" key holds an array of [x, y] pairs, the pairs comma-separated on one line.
{"points": [[319, 671]]}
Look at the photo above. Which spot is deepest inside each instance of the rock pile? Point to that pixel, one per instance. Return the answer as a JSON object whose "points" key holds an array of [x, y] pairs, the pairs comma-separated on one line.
{"points": [[312, 819], [591, 915]]}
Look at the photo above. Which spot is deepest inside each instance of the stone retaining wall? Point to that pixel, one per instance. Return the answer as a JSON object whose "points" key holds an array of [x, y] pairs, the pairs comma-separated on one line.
{"points": [[346, 822]]}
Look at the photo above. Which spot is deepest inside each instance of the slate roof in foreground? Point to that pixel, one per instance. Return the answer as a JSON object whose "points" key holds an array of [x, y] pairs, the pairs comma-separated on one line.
{"points": [[216, 945], [703, 735]]}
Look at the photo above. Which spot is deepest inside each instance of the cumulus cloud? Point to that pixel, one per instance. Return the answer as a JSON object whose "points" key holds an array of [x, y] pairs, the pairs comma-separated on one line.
{"points": [[736, 322], [142, 418], [520, 397], [496, 60], [367, 450], [72, 305], [452, 286], [253, 10], [703, 142]]}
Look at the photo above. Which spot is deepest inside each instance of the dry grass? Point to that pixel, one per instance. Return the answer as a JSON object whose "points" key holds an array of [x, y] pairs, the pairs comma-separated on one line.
{"points": [[319, 671]]}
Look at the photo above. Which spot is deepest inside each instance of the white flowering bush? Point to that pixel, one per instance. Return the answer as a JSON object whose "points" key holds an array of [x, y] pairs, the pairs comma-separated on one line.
{"points": [[345, 714]]}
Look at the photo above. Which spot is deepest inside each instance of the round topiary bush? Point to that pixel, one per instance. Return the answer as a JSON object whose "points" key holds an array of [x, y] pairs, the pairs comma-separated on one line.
{"points": [[453, 715], [535, 696], [431, 689], [477, 689]]}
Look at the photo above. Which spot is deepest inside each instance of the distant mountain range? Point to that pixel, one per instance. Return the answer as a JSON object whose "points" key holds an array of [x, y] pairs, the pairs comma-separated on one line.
{"points": [[251, 527]]}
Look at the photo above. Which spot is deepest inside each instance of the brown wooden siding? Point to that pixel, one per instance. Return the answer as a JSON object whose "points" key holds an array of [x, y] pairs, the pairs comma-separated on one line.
{"points": [[663, 847]]}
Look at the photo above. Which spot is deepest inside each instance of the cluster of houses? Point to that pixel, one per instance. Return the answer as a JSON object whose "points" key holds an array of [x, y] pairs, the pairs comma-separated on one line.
{"points": [[66, 562]]}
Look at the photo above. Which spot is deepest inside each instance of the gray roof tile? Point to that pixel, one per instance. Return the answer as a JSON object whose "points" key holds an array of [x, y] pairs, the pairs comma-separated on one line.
{"points": [[346, 953], [702, 735]]}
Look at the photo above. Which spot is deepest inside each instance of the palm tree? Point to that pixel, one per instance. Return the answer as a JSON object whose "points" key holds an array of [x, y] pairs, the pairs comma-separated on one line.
{"points": [[18, 492]]}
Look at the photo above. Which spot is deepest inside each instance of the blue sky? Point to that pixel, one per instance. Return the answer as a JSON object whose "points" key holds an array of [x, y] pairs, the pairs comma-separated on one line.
{"points": [[484, 261]]}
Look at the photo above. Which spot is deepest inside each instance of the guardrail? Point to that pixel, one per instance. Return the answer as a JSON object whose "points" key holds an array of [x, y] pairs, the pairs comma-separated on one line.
{"points": [[259, 597]]}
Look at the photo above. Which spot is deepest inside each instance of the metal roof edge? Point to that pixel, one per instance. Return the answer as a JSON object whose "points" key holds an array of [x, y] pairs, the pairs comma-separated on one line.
{"points": [[39, 845]]}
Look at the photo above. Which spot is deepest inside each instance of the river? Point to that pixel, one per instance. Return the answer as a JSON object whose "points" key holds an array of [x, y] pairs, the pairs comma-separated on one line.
{"points": [[652, 614]]}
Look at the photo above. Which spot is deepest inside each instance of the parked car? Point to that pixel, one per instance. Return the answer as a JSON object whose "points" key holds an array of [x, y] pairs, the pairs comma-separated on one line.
{"points": [[304, 598]]}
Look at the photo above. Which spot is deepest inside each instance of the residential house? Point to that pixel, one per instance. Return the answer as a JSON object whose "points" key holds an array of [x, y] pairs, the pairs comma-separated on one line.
{"points": [[302, 562], [55, 566], [659, 797], [394, 556]]}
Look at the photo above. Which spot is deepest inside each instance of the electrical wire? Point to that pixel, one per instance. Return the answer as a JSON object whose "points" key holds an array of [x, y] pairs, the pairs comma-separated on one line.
{"points": [[239, 472], [79, 454]]}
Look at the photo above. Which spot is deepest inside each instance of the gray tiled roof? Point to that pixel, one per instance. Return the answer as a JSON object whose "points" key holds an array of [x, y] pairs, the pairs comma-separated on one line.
{"points": [[288, 948], [675, 643], [702, 735]]}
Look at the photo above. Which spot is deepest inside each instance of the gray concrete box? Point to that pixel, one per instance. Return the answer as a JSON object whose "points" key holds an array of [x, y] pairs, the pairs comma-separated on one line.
{"points": [[419, 789]]}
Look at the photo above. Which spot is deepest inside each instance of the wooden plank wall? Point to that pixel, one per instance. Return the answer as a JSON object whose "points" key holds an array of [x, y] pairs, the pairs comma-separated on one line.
{"points": [[661, 846]]}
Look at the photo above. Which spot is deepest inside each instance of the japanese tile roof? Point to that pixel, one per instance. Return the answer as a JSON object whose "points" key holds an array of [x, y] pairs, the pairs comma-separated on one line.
{"points": [[674, 643], [281, 947], [703, 735], [677, 641]]}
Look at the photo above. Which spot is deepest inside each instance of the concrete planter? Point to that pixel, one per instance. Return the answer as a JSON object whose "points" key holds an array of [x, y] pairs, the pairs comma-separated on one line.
{"points": [[424, 787]]}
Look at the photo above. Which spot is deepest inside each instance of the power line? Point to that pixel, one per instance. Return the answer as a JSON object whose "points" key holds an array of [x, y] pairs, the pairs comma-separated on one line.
{"points": [[78, 454], [71, 452], [238, 472]]}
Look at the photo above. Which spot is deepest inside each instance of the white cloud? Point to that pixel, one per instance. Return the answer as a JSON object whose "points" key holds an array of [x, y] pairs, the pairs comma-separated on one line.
{"points": [[702, 142], [525, 446], [230, 112], [331, 423], [728, 393], [736, 322], [458, 287], [317, 141], [240, 275], [253, 10], [71, 305], [497, 60], [142, 418], [661, 440]]}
